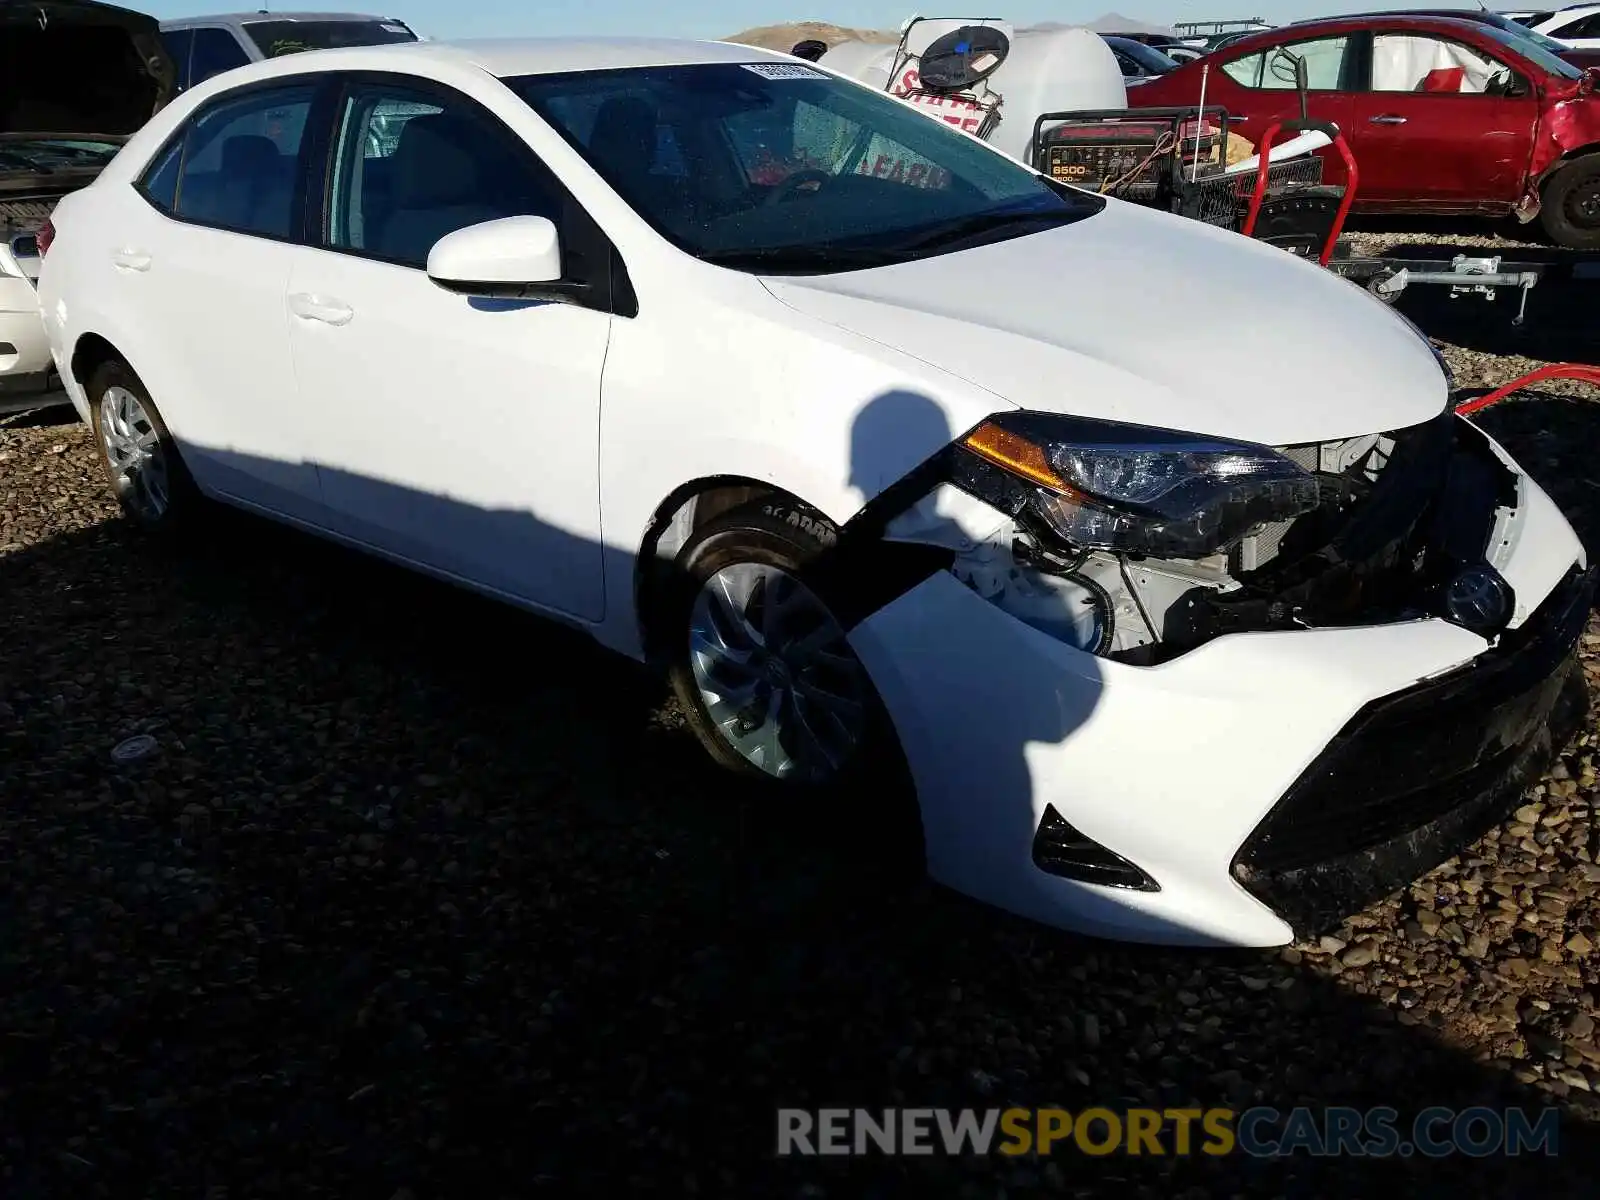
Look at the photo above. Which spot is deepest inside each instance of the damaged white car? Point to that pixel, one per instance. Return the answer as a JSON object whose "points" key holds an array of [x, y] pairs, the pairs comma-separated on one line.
{"points": [[888, 448]]}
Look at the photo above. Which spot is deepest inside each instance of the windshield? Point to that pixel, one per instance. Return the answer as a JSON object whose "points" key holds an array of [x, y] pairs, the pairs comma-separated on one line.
{"points": [[45, 156], [780, 166], [1152, 60], [1499, 21], [274, 38], [1524, 44]]}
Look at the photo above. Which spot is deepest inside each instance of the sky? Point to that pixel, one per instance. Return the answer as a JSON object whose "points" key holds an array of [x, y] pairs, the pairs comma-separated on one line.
{"points": [[719, 18]]}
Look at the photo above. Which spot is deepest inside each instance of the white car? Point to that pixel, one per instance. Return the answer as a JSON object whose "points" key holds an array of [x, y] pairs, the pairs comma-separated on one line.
{"points": [[894, 453], [1576, 26], [56, 133]]}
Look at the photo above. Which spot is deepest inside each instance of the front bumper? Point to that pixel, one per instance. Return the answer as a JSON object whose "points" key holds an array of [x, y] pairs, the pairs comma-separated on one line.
{"points": [[1417, 775], [1209, 774]]}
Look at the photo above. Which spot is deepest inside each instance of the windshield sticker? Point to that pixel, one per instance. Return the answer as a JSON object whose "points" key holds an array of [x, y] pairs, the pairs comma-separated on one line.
{"points": [[778, 70]]}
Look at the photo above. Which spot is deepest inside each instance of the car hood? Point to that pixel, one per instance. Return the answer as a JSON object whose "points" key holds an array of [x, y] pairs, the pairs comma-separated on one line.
{"points": [[1138, 316], [77, 68]]}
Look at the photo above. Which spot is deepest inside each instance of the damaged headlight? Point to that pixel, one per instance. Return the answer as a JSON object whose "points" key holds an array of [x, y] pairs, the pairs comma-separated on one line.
{"points": [[1136, 490]]}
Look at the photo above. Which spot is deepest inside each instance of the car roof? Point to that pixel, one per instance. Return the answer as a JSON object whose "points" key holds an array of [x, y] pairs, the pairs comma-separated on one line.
{"points": [[248, 18], [509, 57], [1403, 19], [1455, 14]]}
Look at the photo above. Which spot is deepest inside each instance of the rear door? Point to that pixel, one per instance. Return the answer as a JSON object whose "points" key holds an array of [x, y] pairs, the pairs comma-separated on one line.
{"points": [[200, 269], [1258, 87], [1443, 125]]}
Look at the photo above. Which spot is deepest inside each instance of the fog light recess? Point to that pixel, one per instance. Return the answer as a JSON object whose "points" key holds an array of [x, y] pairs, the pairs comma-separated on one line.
{"points": [[1061, 850]]}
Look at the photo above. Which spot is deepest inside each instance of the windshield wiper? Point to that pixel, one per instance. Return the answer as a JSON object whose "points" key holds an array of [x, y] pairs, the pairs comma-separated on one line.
{"points": [[986, 222], [819, 259]]}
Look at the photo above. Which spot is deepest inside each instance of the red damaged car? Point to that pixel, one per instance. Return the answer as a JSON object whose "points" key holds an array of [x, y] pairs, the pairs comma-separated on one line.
{"points": [[1444, 115]]}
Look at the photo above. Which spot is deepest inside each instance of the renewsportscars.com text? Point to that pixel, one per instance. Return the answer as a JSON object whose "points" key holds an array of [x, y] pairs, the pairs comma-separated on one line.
{"points": [[1260, 1132]]}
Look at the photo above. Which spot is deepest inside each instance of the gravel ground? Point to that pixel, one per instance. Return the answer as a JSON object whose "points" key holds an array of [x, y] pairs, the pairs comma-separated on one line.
{"points": [[421, 899]]}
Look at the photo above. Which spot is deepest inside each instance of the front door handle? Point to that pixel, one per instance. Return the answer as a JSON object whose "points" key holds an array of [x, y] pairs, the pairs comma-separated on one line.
{"points": [[320, 308], [1387, 119], [128, 259]]}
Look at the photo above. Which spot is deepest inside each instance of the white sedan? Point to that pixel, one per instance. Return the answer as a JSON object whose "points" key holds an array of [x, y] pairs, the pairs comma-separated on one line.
{"points": [[1154, 557]]}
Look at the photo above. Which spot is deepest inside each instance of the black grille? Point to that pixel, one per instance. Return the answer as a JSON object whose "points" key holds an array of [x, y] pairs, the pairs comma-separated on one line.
{"points": [[1416, 776]]}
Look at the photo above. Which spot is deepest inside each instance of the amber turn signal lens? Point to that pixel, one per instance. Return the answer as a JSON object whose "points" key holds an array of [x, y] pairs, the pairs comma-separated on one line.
{"points": [[1016, 454]]}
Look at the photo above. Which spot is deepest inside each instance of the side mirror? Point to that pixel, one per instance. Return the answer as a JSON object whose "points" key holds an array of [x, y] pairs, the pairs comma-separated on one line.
{"points": [[515, 258]]}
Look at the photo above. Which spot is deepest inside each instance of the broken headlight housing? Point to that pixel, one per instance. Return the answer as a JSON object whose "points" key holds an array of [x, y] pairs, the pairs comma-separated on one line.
{"points": [[1129, 489]]}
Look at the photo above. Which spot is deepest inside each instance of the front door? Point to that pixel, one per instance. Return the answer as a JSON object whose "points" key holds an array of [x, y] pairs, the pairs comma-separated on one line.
{"points": [[459, 433], [1443, 125]]}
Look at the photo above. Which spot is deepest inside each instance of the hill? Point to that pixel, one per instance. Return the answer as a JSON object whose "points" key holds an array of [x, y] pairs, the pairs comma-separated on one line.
{"points": [[783, 37]]}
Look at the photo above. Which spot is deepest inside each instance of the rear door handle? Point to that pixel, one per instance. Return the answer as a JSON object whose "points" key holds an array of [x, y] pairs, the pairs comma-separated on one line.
{"points": [[1387, 119], [131, 260], [320, 308]]}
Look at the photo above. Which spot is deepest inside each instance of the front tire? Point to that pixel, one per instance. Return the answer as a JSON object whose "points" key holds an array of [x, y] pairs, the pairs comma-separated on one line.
{"points": [[1571, 210], [760, 659], [141, 461]]}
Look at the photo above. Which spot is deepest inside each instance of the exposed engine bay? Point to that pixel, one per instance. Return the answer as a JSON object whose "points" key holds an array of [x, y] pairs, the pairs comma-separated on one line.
{"points": [[1398, 517]]}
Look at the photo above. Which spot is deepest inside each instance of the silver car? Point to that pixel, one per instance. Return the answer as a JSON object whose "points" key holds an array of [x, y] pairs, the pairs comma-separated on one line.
{"points": [[207, 46]]}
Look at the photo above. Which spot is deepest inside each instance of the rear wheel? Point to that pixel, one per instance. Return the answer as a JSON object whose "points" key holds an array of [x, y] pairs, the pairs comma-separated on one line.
{"points": [[1571, 211], [141, 462]]}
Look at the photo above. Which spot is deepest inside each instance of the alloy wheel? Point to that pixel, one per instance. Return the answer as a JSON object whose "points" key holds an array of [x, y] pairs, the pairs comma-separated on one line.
{"points": [[134, 453], [776, 673]]}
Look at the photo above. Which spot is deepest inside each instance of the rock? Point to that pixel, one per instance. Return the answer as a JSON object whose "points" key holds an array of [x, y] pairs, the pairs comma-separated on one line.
{"points": [[1360, 954], [1579, 944]]}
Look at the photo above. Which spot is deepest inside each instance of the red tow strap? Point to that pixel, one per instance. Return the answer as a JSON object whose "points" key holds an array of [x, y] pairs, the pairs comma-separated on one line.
{"points": [[1576, 371]]}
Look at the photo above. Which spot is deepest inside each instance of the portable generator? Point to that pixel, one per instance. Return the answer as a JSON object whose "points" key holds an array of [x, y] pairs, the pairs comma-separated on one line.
{"points": [[1126, 156]]}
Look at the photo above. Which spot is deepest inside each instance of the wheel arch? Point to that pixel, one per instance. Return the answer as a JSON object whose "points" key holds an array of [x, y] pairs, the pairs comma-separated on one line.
{"points": [[89, 353], [687, 508], [1567, 158]]}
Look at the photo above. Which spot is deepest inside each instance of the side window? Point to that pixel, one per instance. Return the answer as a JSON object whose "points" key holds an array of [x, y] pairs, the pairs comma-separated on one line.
{"points": [[1411, 63], [1273, 69], [215, 51], [159, 183], [412, 168], [241, 161], [178, 43]]}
